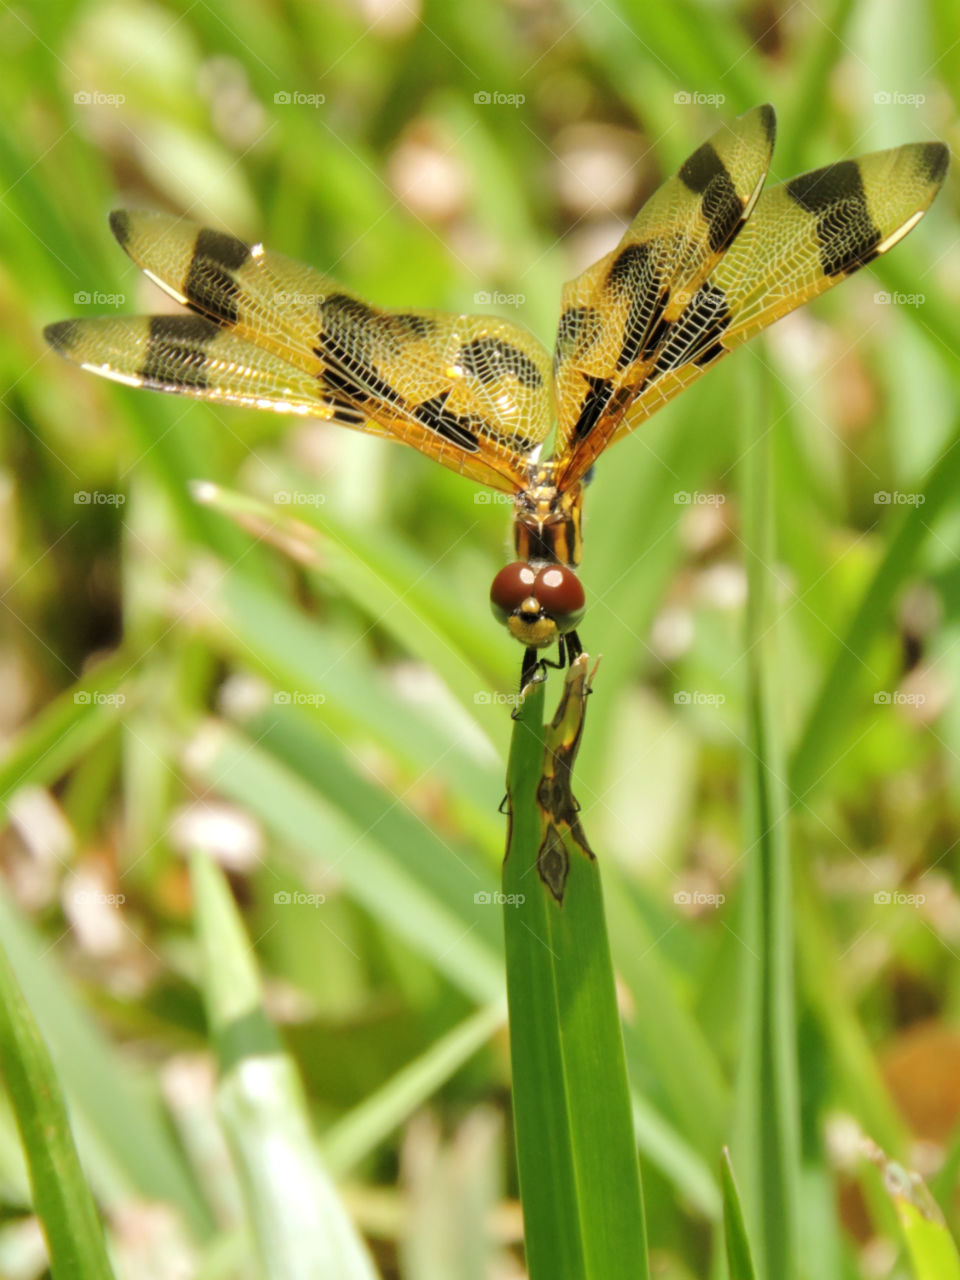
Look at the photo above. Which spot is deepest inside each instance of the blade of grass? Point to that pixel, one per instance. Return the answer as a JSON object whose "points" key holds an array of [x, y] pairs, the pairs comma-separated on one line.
{"points": [[61, 1197], [67, 728], [933, 1253], [768, 1121], [739, 1256], [124, 1116], [386, 581], [301, 1227], [579, 1173], [843, 684], [356, 1135], [373, 874]]}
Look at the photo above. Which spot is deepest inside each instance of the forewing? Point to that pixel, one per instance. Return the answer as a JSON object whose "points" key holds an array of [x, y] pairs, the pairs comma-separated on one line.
{"points": [[189, 355], [617, 315], [804, 236], [472, 392]]}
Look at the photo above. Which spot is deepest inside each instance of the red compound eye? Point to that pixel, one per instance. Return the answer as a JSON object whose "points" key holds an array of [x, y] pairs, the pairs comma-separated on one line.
{"points": [[560, 592], [512, 585]]}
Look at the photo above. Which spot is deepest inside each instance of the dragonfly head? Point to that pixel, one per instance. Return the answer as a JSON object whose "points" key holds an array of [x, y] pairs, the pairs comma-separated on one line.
{"points": [[537, 604]]}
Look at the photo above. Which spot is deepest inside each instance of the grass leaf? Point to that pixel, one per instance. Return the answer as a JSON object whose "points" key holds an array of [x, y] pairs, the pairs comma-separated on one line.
{"points": [[299, 1222], [61, 1197]]}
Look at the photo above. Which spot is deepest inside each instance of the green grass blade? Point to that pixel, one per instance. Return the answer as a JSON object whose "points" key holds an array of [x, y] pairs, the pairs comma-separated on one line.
{"points": [[356, 1135], [739, 1256], [300, 1225], [768, 1122], [69, 727], [61, 1197], [123, 1113], [374, 875], [579, 1174], [932, 1251], [843, 685]]}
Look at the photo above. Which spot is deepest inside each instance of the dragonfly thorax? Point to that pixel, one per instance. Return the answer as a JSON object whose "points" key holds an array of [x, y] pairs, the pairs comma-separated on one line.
{"points": [[546, 522]]}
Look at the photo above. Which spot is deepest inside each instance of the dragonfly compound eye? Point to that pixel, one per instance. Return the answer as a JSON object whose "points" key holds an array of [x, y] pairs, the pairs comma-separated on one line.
{"points": [[560, 594], [512, 585]]}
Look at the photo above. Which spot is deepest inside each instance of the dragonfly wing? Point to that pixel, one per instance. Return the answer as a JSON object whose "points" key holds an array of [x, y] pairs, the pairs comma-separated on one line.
{"points": [[617, 314], [473, 392]]}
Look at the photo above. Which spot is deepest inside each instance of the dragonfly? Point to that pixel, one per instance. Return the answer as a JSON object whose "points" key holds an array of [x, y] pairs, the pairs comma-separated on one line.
{"points": [[713, 257]]}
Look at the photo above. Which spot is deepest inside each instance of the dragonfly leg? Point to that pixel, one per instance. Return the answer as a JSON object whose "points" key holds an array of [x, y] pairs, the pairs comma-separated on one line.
{"points": [[574, 647], [529, 669]]}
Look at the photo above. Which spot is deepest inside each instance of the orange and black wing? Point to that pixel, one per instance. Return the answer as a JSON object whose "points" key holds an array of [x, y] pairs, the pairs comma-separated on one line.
{"points": [[802, 237], [618, 315], [472, 392]]}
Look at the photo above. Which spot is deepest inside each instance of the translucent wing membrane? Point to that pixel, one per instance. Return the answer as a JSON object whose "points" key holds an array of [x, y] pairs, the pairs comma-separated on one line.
{"points": [[802, 237], [472, 392], [708, 262], [620, 313]]}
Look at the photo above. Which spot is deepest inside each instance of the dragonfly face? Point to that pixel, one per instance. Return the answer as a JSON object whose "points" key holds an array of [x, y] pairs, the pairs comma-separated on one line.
{"points": [[537, 603], [711, 259]]}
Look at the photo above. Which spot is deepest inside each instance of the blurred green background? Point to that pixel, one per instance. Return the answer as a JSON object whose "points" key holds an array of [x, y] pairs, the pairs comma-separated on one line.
{"points": [[330, 722]]}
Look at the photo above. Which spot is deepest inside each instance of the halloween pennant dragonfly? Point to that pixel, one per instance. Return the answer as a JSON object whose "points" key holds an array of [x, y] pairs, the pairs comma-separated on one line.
{"points": [[711, 259]]}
